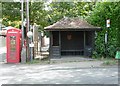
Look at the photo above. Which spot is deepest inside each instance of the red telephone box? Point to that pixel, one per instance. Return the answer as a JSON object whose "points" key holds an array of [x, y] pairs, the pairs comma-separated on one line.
{"points": [[13, 42]]}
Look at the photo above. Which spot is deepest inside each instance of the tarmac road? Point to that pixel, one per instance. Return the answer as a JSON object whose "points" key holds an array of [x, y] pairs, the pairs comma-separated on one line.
{"points": [[57, 74]]}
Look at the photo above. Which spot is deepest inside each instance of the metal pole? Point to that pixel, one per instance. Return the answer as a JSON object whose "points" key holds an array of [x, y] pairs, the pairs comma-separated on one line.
{"points": [[22, 22], [0, 16], [31, 48], [106, 36], [31, 52], [28, 15], [106, 39]]}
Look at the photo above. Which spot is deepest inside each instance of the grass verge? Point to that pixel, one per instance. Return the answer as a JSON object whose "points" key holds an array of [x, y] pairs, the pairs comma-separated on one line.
{"points": [[109, 62]]}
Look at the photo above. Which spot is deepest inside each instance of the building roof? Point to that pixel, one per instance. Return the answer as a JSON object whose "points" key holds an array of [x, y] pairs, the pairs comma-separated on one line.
{"points": [[71, 24]]}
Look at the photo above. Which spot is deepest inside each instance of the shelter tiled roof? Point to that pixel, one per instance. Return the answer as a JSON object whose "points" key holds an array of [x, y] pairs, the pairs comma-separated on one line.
{"points": [[71, 23]]}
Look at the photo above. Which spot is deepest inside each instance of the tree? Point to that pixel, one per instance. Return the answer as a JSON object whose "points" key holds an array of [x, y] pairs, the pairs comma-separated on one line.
{"points": [[38, 14], [10, 12], [98, 17], [69, 9]]}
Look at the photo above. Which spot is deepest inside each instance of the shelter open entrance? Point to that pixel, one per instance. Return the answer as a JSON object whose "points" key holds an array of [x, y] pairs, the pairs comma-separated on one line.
{"points": [[71, 42], [71, 36]]}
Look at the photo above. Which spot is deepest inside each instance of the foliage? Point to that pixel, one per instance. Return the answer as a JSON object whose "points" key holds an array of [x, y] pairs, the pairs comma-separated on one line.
{"points": [[41, 16], [10, 12], [11, 8], [98, 17], [61, 9], [38, 14], [95, 13]]}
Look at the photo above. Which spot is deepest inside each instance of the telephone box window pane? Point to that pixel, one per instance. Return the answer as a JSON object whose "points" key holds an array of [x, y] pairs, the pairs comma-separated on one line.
{"points": [[12, 47], [12, 43]]}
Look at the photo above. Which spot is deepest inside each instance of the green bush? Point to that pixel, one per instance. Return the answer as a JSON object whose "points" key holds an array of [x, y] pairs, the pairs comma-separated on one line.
{"points": [[98, 17]]}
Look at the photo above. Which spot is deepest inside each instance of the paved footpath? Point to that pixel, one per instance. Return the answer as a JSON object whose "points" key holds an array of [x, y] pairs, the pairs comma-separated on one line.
{"points": [[65, 73], [2, 54], [2, 49]]}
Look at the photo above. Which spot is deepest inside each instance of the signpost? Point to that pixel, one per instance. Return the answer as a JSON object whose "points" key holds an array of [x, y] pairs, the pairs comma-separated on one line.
{"points": [[106, 35], [31, 44]]}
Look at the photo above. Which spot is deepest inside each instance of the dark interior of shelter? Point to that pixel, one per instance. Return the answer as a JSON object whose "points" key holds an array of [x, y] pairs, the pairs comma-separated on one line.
{"points": [[72, 42]]}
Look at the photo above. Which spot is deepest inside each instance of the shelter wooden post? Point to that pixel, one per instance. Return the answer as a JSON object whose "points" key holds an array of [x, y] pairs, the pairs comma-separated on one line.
{"points": [[60, 42], [50, 50], [84, 41]]}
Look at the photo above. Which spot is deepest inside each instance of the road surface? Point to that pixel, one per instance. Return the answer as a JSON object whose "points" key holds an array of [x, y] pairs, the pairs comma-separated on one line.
{"points": [[57, 74]]}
